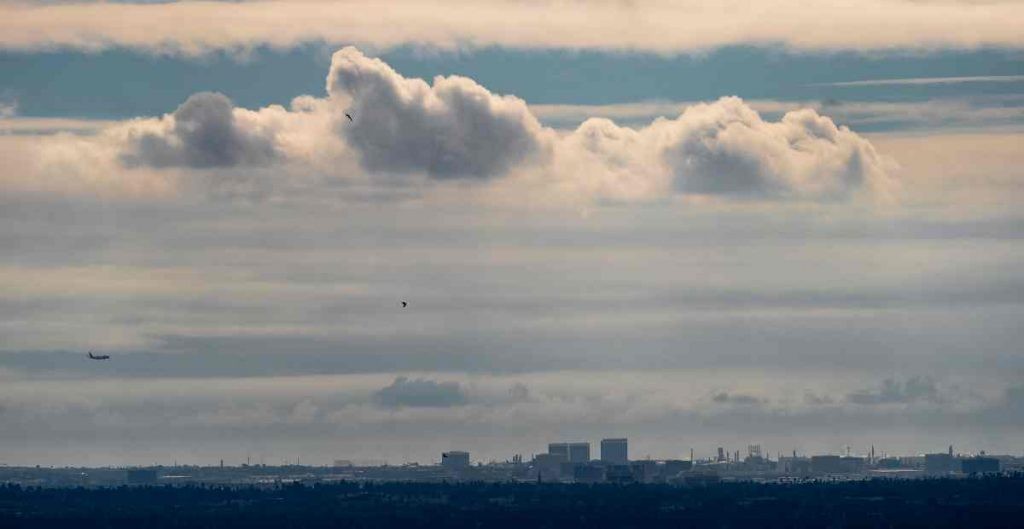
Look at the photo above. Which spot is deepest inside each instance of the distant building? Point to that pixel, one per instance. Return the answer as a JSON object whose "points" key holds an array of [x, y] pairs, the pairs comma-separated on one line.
{"points": [[979, 465], [701, 478], [588, 473], [455, 460], [579, 452], [941, 463], [614, 451], [673, 467], [559, 449], [619, 474], [794, 466], [852, 464], [890, 463], [644, 471], [549, 466], [827, 464]]}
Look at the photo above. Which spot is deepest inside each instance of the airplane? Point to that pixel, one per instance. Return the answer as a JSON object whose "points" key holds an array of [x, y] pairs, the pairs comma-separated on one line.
{"points": [[98, 357]]}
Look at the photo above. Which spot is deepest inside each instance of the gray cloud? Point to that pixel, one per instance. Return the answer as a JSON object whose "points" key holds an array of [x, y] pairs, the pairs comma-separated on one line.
{"points": [[813, 399], [891, 391], [203, 132], [420, 392], [740, 399], [518, 392], [452, 129]]}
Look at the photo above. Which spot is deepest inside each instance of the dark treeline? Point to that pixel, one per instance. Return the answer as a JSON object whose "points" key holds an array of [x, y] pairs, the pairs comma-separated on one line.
{"points": [[936, 503]]}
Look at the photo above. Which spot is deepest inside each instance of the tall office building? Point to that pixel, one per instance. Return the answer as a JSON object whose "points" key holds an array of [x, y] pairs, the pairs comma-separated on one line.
{"points": [[579, 452], [572, 452], [559, 450], [614, 451]]}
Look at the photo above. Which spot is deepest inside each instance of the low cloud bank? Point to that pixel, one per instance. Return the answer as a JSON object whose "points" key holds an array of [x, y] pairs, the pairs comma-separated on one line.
{"points": [[420, 392], [891, 391]]}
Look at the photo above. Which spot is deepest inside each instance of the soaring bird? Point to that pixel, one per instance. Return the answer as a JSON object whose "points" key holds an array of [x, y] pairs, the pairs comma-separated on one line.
{"points": [[349, 117], [405, 304]]}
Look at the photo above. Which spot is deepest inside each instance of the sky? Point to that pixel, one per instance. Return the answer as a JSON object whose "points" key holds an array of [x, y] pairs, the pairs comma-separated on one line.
{"points": [[693, 224]]}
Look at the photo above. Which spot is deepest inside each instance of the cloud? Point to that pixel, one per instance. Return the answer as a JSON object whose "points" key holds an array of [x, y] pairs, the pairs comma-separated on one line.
{"points": [[665, 412], [891, 391], [454, 128], [420, 392], [645, 25], [8, 109], [813, 399], [917, 81], [736, 398], [30, 126], [977, 112], [518, 392], [727, 149], [206, 131]]}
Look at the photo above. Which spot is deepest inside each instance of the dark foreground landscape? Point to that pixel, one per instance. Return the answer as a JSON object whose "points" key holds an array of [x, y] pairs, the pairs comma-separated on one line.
{"points": [[932, 503]]}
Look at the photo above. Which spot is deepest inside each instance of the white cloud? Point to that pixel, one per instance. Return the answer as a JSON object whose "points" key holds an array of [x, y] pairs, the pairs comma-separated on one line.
{"points": [[457, 129], [662, 26], [452, 129], [726, 149], [8, 109], [942, 114]]}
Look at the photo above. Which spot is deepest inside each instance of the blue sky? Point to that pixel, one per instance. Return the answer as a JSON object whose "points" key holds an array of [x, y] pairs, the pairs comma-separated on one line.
{"points": [[70, 83], [602, 218]]}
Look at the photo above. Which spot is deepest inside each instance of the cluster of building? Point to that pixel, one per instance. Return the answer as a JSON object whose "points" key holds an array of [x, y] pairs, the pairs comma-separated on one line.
{"points": [[572, 461], [568, 462]]}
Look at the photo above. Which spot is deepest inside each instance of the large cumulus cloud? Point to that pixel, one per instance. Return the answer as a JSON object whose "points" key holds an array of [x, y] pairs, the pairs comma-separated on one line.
{"points": [[454, 128], [726, 149]]}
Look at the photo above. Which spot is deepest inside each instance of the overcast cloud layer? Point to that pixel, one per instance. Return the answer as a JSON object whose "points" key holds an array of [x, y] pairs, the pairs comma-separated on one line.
{"points": [[650, 25], [692, 274]]}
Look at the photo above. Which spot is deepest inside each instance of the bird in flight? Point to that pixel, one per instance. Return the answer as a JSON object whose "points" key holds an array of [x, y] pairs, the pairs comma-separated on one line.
{"points": [[348, 116], [98, 357], [405, 304]]}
